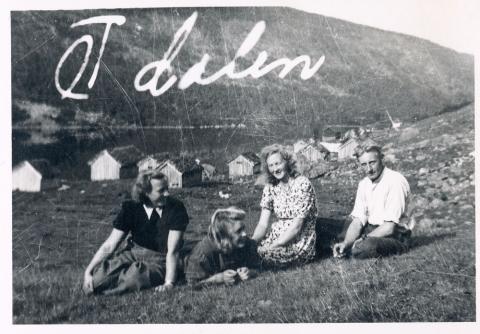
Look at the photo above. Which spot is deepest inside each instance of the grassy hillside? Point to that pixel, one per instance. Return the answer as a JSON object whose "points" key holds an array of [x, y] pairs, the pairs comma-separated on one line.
{"points": [[55, 233], [366, 71]]}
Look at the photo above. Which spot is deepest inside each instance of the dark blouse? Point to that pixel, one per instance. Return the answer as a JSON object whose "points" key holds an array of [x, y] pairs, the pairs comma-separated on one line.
{"points": [[151, 233]]}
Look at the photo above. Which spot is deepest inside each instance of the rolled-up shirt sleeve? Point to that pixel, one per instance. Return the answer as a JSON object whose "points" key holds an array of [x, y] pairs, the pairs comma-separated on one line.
{"points": [[360, 208], [396, 201]]}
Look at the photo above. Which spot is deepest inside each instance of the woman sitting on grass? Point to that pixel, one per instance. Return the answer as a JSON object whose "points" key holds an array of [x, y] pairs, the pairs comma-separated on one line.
{"points": [[226, 255], [291, 239]]}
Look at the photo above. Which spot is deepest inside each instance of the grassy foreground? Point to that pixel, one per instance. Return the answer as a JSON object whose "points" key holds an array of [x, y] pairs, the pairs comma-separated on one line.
{"points": [[55, 234]]}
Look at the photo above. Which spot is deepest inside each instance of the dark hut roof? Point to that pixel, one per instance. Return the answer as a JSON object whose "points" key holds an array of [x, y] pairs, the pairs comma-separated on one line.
{"points": [[252, 157], [337, 131], [208, 168], [185, 164], [160, 157], [126, 155], [329, 132]]}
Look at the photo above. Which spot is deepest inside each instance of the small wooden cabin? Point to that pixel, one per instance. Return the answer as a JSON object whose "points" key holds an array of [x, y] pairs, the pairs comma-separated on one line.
{"points": [[152, 161], [246, 164], [28, 175], [209, 172], [330, 135], [329, 150], [312, 153], [182, 172], [118, 163], [347, 149]]}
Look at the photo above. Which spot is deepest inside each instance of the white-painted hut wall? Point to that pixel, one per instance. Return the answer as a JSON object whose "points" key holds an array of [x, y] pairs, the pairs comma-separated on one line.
{"points": [[331, 147], [173, 175], [240, 166], [105, 167], [312, 154], [26, 178], [347, 149]]}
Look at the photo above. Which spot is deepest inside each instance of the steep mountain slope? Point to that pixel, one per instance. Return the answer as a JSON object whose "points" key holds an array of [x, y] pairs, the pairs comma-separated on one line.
{"points": [[366, 71]]}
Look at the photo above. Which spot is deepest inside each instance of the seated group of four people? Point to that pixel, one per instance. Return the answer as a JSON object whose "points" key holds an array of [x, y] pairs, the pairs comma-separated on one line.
{"points": [[153, 224]]}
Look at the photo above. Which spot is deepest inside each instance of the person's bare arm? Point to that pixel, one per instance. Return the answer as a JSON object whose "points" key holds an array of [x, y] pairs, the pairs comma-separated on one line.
{"points": [[173, 245], [262, 226], [384, 230], [226, 277], [106, 249], [353, 233]]}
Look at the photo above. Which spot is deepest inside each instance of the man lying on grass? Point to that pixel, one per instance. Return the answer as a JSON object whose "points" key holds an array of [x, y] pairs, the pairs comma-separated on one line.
{"points": [[377, 226], [226, 255], [156, 222]]}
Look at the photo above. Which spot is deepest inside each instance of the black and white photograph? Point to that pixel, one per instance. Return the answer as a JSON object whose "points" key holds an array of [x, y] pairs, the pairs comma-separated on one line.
{"points": [[240, 163]]}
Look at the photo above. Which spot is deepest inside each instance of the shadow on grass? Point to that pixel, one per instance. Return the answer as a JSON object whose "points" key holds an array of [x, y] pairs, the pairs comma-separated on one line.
{"points": [[423, 240], [328, 230]]}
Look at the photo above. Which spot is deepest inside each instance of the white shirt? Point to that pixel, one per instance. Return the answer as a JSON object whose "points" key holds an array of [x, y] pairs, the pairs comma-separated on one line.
{"points": [[382, 200], [149, 211]]}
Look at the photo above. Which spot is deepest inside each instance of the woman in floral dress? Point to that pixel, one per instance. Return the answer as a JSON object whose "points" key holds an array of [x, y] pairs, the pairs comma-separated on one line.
{"points": [[291, 239]]}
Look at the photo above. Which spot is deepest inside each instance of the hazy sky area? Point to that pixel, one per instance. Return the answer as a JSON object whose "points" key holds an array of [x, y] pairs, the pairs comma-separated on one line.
{"points": [[451, 23]]}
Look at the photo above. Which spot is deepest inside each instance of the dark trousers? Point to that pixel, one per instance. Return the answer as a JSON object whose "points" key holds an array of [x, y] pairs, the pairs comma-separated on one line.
{"points": [[332, 231], [134, 268]]}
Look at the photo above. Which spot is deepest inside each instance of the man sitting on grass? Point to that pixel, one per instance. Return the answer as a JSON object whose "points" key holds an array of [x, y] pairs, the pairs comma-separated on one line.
{"points": [[377, 226], [156, 222], [226, 255]]}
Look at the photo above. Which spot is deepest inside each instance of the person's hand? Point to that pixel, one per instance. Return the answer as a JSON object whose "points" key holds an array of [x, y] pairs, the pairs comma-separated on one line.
{"points": [[87, 284], [164, 287], [243, 273], [229, 276], [339, 250]]}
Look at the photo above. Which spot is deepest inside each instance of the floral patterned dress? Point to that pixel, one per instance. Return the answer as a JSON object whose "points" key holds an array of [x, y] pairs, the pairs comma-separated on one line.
{"points": [[289, 202]]}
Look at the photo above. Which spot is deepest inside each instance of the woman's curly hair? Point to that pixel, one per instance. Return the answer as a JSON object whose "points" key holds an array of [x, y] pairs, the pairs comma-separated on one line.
{"points": [[218, 230], [143, 186], [291, 166]]}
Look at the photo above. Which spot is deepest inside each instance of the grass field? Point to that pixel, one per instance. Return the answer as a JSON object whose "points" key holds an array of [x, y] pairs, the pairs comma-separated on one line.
{"points": [[55, 234]]}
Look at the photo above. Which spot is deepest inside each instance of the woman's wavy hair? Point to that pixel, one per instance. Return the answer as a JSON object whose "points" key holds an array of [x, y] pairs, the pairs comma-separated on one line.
{"points": [[218, 230], [143, 186], [291, 166]]}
